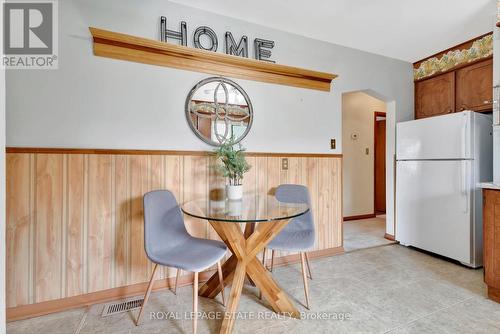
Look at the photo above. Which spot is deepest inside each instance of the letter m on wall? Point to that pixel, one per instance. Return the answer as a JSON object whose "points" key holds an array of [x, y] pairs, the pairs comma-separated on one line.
{"points": [[240, 49]]}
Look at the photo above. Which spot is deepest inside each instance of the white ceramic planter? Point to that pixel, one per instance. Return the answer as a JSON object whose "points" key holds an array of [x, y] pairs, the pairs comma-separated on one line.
{"points": [[234, 208], [234, 193]]}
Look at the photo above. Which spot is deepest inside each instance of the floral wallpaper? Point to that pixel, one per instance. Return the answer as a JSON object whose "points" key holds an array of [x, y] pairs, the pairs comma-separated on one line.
{"points": [[498, 12], [480, 48]]}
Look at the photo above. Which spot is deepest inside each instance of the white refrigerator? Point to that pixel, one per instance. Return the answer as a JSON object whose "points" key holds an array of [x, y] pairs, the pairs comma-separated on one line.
{"points": [[440, 161]]}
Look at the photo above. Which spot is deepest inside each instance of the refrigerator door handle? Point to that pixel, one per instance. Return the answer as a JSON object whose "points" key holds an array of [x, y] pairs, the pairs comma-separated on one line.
{"points": [[465, 185], [464, 135]]}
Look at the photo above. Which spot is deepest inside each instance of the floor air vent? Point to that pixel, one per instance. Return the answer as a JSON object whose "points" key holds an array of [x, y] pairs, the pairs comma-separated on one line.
{"points": [[120, 307]]}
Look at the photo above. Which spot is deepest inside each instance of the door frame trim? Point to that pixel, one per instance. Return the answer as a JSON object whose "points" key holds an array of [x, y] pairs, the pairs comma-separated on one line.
{"points": [[375, 114]]}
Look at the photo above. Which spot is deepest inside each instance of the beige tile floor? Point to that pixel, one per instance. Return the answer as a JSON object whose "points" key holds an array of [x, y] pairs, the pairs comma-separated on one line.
{"points": [[364, 233], [386, 289]]}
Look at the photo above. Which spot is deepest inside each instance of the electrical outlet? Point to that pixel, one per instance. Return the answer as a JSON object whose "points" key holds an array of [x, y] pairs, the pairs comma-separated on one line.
{"points": [[333, 144], [367, 151], [284, 164]]}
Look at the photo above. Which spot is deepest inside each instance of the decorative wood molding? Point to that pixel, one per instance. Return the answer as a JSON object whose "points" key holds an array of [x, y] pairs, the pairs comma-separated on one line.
{"points": [[55, 150], [52, 306], [142, 50], [358, 217]]}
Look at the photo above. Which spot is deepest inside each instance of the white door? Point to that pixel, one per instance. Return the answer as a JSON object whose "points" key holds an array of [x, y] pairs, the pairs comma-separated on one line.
{"points": [[433, 204], [440, 137]]}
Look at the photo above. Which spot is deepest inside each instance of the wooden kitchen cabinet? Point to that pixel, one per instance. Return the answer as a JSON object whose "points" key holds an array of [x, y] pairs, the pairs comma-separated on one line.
{"points": [[466, 88], [474, 87], [435, 96], [491, 242]]}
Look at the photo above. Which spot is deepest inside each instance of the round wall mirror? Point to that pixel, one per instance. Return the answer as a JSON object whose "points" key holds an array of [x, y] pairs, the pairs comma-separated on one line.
{"points": [[218, 110]]}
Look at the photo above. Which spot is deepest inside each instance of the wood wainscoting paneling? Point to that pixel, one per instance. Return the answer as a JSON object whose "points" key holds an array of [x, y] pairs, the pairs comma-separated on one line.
{"points": [[75, 225], [103, 296]]}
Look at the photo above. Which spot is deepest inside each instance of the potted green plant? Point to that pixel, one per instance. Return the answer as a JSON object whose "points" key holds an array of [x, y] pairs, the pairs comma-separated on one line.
{"points": [[233, 166]]}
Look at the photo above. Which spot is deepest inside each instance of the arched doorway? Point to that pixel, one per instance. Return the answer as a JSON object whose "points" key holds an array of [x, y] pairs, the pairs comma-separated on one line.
{"points": [[368, 177]]}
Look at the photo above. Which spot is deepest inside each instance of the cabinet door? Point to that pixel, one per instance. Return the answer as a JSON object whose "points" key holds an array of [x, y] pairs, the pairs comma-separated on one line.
{"points": [[491, 237], [475, 87], [435, 96]]}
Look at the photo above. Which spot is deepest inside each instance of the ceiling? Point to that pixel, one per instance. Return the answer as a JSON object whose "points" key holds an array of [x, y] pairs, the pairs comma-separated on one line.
{"points": [[401, 29]]}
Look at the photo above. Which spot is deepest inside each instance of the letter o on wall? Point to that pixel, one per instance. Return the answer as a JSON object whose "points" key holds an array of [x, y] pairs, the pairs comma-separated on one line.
{"points": [[204, 30]]}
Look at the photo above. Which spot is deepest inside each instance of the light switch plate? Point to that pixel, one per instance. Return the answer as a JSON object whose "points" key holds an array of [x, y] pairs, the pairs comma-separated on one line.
{"points": [[333, 144]]}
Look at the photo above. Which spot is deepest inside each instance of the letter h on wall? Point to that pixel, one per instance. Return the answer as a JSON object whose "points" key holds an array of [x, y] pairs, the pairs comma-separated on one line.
{"points": [[166, 33]]}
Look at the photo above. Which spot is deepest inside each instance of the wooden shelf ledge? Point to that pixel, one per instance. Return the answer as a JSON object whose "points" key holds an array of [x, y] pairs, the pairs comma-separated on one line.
{"points": [[142, 50]]}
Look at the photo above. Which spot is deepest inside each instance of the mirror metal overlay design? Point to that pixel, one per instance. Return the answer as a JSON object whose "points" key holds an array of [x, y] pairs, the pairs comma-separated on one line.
{"points": [[217, 110]]}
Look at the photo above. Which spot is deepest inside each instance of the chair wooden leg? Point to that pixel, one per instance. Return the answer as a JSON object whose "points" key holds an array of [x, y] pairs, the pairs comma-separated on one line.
{"points": [[308, 266], [177, 280], [304, 277], [195, 303], [272, 261], [264, 264], [221, 280], [146, 296]]}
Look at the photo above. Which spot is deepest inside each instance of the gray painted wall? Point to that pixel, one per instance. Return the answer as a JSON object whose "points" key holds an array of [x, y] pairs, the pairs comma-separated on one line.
{"points": [[97, 102], [94, 102]]}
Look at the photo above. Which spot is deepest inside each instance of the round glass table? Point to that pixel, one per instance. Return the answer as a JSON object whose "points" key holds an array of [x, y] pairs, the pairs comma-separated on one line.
{"points": [[264, 217], [250, 209]]}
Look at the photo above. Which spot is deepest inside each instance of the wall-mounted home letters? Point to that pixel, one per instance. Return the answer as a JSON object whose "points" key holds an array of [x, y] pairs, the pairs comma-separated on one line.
{"points": [[262, 47]]}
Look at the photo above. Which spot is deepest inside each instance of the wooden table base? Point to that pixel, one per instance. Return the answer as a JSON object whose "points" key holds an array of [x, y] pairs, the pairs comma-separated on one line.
{"points": [[244, 262]]}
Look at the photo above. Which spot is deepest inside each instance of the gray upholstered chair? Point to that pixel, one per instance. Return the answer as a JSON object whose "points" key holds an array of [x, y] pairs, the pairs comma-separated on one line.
{"points": [[168, 243], [298, 235]]}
